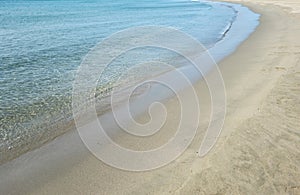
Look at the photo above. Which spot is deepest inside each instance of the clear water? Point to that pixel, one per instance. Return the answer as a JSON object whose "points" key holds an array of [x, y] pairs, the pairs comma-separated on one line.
{"points": [[43, 42]]}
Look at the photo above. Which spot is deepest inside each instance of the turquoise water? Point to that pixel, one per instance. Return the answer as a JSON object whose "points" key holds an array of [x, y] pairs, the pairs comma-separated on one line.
{"points": [[43, 42]]}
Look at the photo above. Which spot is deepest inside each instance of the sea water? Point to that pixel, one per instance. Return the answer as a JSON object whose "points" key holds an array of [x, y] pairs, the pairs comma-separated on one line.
{"points": [[43, 42]]}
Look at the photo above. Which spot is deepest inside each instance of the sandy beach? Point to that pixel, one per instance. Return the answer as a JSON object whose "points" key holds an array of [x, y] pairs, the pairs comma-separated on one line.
{"points": [[258, 151]]}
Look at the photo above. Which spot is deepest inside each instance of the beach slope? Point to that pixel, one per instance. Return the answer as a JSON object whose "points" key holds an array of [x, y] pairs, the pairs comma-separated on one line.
{"points": [[259, 148]]}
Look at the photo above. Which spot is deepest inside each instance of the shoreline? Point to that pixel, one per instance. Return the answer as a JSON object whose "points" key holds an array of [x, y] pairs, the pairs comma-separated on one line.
{"points": [[231, 39], [267, 66]]}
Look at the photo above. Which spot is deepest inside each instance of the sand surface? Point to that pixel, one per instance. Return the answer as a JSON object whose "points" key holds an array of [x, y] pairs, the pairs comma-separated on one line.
{"points": [[259, 148]]}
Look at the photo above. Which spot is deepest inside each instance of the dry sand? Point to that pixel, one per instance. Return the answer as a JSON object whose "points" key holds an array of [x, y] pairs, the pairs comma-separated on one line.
{"points": [[258, 151]]}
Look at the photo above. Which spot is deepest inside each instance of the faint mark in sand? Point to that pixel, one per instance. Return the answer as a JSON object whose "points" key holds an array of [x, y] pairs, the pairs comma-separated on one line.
{"points": [[292, 190], [280, 68]]}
